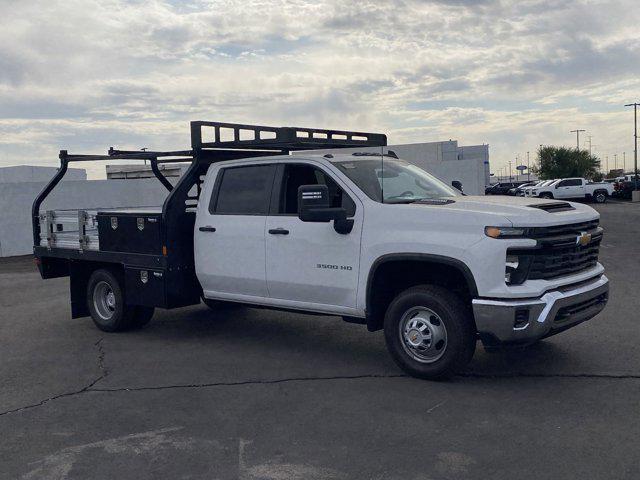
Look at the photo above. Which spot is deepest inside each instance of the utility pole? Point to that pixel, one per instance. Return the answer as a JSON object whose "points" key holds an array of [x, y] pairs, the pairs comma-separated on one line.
{"points": [[589, 137], [635, 137], [606, 159], [528, 169], [509, 170], [577, 132], [624, 162], [615, 161]]}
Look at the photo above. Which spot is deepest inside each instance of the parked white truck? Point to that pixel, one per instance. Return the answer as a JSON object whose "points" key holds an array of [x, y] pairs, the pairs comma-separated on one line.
{"points": [[573, 188], [367, 237]]}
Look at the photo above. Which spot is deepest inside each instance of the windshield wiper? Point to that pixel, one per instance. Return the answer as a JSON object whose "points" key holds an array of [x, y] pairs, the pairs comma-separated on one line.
{"points": [[403, 200]]}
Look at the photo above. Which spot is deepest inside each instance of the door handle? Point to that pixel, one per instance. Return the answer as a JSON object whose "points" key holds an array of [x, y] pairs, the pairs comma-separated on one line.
{"points": [[279, 231], [207, 229]]}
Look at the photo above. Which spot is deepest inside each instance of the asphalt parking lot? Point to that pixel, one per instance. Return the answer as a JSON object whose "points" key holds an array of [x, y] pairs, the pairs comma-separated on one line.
{"points": [[255, 394]]}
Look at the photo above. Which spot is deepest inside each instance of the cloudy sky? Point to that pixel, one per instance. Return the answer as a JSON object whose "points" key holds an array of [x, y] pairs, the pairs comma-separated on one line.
{"points": [[86, 74]]}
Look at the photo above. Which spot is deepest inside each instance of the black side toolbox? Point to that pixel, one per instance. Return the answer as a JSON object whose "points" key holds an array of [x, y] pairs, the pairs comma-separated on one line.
{"points": [[131, 230]]}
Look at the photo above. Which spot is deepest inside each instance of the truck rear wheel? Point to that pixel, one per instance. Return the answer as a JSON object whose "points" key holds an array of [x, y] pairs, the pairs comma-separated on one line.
{"points": [[546, 195], [600, 197], [105, 299], [429, 332]]}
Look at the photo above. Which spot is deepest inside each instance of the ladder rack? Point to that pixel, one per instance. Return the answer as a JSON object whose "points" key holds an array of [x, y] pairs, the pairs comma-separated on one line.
{"points": [[210, 142]]}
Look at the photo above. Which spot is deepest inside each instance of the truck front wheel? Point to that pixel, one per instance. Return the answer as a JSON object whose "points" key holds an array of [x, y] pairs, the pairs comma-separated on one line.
{"points": [[429, 332], [105, 299], [546, 195]]}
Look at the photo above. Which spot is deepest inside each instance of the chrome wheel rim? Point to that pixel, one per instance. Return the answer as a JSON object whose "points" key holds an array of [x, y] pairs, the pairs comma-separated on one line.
{"points": [[104, 300], [423, 334]]}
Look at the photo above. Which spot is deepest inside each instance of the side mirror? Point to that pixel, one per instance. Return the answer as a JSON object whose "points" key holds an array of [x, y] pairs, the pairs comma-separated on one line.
{"points": [[557, 186], [457, 184], [313, 206]]}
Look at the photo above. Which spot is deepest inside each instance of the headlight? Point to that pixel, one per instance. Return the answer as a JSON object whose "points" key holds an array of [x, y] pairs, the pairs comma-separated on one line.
{"points": [[504, 232]]}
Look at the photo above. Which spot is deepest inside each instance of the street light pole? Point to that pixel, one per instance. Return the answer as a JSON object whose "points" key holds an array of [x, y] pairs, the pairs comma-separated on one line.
{"points": [[635, 137], [528, 169], [577, 132]]}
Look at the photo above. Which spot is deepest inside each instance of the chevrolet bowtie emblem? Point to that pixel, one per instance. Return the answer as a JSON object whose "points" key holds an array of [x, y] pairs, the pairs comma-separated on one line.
{"points": [[583, 239]]}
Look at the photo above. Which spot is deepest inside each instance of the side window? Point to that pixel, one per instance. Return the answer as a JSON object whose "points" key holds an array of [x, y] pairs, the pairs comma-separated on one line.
{"points": [[570, 183], [297, 175], [243, 190]]}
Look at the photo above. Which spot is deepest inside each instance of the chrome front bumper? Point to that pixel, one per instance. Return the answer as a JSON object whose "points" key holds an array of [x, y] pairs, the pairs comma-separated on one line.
{"points": [[523, 321]]}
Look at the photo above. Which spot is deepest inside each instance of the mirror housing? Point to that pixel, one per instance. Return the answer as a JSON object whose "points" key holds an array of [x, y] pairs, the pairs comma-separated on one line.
{"points": [[314, 206], [457, 184]]}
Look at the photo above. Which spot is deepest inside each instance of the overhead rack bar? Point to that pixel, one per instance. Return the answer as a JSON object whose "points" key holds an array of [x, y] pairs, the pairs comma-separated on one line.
{"points": [[243, 136]]}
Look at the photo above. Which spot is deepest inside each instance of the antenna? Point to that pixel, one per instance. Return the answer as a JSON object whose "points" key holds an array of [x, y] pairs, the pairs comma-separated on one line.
{"points": [[382, 173]]}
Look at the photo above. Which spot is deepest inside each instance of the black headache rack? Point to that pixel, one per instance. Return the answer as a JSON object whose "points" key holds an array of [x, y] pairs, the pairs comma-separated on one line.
{"points": [[166, 260]]}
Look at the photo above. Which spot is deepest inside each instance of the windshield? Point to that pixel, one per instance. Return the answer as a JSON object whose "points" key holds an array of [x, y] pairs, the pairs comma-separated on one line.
{"points": [[400, 181]]}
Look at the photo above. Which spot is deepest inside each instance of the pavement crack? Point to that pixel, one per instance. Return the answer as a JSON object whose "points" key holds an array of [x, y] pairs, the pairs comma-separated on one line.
{"points": [[91, 386], [245, 382], [101, 355], [103, 375], [55, 397]]}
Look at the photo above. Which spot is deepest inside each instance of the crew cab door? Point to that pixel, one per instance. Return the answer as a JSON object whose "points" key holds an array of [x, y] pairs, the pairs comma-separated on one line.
{"points": [[309, 264], [229, 237], [570, 188]]}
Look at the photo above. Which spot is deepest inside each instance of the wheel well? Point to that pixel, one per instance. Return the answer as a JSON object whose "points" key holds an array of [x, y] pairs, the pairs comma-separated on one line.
{"points": [[79, 274], [391, 276]]}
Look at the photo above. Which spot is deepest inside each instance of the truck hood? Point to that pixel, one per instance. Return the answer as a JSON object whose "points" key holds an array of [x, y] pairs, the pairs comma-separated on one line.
{"points": [[523, 211]]}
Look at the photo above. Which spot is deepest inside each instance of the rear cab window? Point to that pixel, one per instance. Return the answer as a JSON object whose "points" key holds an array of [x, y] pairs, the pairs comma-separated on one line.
{"points": [[243, 190]]}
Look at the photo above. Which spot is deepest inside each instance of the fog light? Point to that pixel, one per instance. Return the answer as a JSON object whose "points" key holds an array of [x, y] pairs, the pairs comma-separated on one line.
{"points": [[521, 319]]}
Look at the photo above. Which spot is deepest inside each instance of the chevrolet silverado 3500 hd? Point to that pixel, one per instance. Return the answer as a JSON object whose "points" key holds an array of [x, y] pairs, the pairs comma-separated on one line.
{"points": [[365, 236]]}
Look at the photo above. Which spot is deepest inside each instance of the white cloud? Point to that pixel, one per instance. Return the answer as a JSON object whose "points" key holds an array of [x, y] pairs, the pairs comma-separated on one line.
{"points": [[86, 74]]}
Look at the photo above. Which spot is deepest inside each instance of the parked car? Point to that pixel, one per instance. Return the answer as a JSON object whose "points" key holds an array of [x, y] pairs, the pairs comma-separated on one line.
{"points": [[570, 188], [541, 183], [519, 190], [624, 188], [501, 188]]}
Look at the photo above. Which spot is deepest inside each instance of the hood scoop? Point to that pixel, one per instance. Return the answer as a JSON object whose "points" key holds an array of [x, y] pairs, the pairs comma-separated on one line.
{"points": [[435, 201], [553, 207]]}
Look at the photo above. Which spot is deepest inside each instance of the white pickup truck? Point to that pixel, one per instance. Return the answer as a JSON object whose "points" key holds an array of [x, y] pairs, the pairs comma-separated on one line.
{"points": [[367, 237], [566, 188]]}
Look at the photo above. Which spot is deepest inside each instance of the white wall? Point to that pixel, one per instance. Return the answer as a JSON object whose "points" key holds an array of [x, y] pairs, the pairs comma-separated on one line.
{"points": [[16, 199], [31, 173]]}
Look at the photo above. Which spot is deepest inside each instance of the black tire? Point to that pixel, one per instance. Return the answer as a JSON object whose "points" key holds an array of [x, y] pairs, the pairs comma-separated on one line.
{"points": [[110, 315], [546, 195], [220, 304], [212, 304], [600, 197], [141, 315], [460, 333]]}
